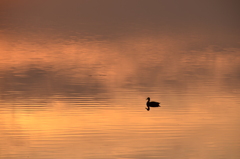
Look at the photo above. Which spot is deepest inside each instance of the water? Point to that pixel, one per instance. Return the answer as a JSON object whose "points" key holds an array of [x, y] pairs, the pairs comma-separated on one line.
{"points": [[77, 89]]}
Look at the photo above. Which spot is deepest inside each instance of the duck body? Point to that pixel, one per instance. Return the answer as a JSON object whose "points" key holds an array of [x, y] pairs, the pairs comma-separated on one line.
{"points": [[151, 104]]}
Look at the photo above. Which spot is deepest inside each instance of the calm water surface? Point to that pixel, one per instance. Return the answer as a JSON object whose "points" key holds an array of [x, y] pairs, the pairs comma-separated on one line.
{"points": [[81, 93]]}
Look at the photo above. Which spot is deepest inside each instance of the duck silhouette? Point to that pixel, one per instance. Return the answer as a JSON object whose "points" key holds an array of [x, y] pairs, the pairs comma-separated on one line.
{"points": [[151, 104]]}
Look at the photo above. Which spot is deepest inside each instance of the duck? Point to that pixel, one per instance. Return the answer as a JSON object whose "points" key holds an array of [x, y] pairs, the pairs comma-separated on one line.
{"points": [[151, 104]]}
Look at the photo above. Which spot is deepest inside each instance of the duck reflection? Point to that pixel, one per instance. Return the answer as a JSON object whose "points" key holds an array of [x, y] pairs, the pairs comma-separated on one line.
{"points": [[151, 104]]}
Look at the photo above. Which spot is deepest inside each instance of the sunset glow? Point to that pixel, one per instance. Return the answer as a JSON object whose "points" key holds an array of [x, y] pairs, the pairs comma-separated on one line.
{"points": [[75, 75]]}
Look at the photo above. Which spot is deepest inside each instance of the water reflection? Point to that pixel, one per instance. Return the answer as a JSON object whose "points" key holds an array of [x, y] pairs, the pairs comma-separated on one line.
{"points": [[54, 110], [88, 96]]}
